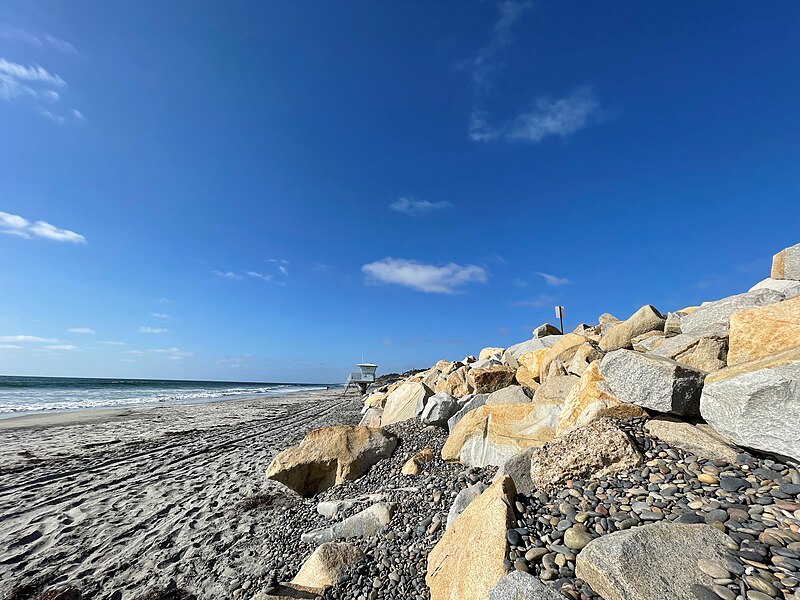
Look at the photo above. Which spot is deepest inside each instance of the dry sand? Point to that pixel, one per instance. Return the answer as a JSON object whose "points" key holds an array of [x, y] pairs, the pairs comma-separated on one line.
{"points": [[118, 501]]}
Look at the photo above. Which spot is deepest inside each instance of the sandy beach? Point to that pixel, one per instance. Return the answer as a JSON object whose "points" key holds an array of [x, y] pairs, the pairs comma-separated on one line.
{"points": [[118, 501]]}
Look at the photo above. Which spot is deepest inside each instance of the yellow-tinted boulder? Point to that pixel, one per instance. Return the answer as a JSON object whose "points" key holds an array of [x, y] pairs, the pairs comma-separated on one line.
{"points": [[764, 330]]}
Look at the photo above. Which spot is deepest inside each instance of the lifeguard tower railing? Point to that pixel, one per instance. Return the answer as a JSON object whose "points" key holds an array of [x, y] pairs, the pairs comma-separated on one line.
{"points": [[359, 377], [362, 378]]}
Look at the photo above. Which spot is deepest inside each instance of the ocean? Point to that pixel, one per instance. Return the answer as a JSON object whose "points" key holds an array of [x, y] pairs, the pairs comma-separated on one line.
{"points": [[37, 394]]}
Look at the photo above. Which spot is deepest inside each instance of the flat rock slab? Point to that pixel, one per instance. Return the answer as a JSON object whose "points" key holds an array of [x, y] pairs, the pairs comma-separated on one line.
{"points": [[653, 562], [522, 586], [700, 440], [712, 318], [364, 524]]}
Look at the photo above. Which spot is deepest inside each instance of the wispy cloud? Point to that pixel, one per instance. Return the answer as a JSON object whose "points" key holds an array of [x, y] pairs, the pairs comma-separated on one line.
{"points": [[36, 39], [70, 347], [113, 343], [136, 352], [257, 275], [228, 275], [553, 280], [172, 353], [82, 330], [486, 61], [147, 329], [10, 347], [33, 73], [283, 270], [418, 208], [233, 361], [163, 300], [539, 301], [434, 279], [34, 83], [27, 339], [161, 316], [21, 227]]}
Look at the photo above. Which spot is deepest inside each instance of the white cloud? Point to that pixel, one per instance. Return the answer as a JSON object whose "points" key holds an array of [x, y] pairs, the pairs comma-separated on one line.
{"points": [[282, 261], [40, 40], [35, 73], [418, 208], [443, 279], [172, 353], [283, 270], [78, 114], [84, 330], [161, 316], [553, 280], [10, 347], [561, 117], [258, 275], [113, 343], [34, 84], [20, 226], [27, 339], [486, 61], [136, 352], [146, 329], [228, 275], [163, 300], [70, 347]]}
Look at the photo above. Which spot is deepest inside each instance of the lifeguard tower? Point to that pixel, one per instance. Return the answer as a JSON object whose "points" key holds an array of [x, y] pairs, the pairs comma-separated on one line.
{"points": [[362, 378]]}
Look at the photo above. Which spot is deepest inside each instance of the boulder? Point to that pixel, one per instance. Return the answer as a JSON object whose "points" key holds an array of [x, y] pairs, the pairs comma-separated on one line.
{"points": [[546, 329], [491, 353], [439, 409], [702, 353], [563, 350], [364, 524], [586, 354], [328, 456], [517, 585], [648, 341], [672, 324], [485, 363], [454, 574], [462, 500], [786, 264], [532, 361], [788, 288], [555, 390], [326, 564], [472, 403], [591, 399], [413, 466], [656, 562], [527, 378], [442, 365], [595, 450], [653, 382], [513, 394], [699, 440], [518, 467], [491, 434], [372, 417], [532, 345], [490, 379], [509, 360], [620, 335], [757, 404], [765, 330], [455, 384], [607, 319], [402, 404], [375, 400], [712, 318]]}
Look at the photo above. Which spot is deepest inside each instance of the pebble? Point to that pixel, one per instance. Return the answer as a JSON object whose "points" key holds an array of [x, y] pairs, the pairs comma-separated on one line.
{"points": [[713, 569]]}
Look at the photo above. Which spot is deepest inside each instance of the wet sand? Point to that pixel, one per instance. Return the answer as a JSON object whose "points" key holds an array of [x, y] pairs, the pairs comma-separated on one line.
{"points": [[118, 501]]}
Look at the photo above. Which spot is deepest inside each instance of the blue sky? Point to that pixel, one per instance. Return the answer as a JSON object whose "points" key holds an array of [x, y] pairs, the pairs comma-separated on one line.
{"points": [[268, 190]]}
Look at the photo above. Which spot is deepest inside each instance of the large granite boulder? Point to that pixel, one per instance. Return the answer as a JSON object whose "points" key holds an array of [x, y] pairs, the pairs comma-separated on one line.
{"points": [[656, 562], [701, 353], [527, 378], [712, 318], [532, 361], [490, 379], [546, 329], [405, 402], [788, 288], [653, 382], [586, 354], [372, 417], [620, 335], [517, 585], [699, 440], [555, 390], [513, 394], [765, 330], [518, 467], [491, 352], [591, 399], [326, 564], [786, 264], [532, 345], [413, 466], [562, 351], [595, 450], [463, 500], [491, 434], [328, 456], [471, 403], [456, 574], [367, 523], [439, 408], [757, 404], [455, 383]]}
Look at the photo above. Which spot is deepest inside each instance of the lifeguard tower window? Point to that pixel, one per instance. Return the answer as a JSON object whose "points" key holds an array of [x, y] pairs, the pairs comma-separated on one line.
{"points": [[363, 377]]}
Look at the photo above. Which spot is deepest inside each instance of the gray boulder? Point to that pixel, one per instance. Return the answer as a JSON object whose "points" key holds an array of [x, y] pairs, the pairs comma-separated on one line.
{"points": [[700, 440], [518, 350], [757, 403], [471, 404], [712, 318], [522, 586], [366, 523], [701, 353], [653, 382], [786, 263], [518, 467], [513, 394], [462, 500], [439, 409], [656, 562], [546, 329], [646, 319], [672, 324], [789, 288]]}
